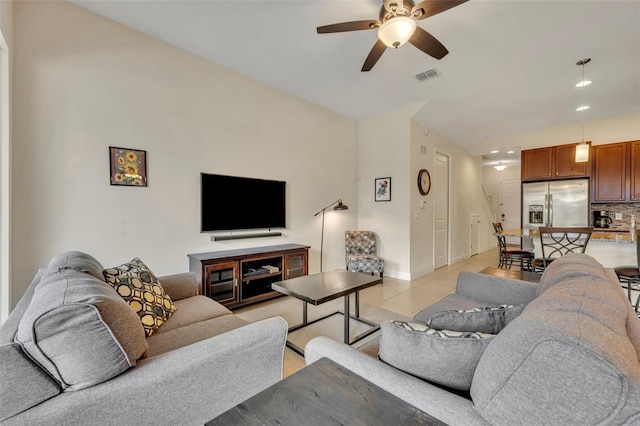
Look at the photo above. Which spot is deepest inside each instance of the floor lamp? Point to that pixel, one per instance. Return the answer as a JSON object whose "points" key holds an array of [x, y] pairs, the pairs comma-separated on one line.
{"points": [[339, 206]]}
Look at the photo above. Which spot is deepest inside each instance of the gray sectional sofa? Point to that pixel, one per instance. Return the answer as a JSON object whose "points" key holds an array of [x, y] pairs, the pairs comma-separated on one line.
{"points": [[74, 352], [569, 356]]}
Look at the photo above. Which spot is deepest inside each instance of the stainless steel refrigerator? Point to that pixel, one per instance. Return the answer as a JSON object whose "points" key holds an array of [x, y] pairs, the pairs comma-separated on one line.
{"points": [[555, 203]]}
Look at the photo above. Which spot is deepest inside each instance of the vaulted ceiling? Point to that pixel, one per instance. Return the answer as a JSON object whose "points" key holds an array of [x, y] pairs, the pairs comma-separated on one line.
{"points": [[511, 67]]}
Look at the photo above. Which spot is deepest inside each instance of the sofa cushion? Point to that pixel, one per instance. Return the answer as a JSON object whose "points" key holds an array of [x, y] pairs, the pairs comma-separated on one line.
{"points": [[449, 302], [565, 360], [193, 310], [490, 319], [169, 340], [78, 329], [572, 265], [77, 261], [24, 383], [135, 282], [447, 358]]}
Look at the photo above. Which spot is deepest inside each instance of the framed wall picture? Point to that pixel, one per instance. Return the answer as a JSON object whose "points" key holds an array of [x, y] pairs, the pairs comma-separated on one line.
{"points": [[383, 189], [128, 167]]}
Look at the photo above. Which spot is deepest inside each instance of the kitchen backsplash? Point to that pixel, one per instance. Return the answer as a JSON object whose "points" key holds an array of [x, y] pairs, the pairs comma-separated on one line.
{"points": [[627, 210]]}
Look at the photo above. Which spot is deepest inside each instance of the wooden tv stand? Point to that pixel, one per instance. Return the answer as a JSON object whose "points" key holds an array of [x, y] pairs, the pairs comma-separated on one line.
{"points": [[240, 277]]}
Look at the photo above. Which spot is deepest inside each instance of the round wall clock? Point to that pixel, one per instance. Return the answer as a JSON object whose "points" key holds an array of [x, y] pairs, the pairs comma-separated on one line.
{"points": [[424, 182]]}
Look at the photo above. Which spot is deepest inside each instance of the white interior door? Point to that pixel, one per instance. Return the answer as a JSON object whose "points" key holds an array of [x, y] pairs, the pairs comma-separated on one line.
{"points": [[510, 206], [441, 210], [475, 234]]}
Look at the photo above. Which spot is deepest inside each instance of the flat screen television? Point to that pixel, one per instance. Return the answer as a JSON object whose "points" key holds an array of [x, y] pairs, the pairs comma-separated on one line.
{"points": [[231, 202]]}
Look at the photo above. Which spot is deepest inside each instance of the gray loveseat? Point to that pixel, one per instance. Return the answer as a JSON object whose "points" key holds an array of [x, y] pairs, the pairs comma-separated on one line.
{"points": [[74, 352], [572, 356]]}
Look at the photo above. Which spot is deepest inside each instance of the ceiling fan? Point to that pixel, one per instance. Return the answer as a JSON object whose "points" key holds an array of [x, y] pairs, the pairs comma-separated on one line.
{"points": [[397, 25]]}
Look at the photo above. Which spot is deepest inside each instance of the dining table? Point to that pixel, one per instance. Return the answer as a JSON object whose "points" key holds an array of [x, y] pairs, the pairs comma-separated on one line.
{"points": [[612, 248]]}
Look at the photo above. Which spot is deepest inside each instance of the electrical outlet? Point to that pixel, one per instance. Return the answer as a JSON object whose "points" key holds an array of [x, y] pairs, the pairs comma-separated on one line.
{"points": [[618, 216]]}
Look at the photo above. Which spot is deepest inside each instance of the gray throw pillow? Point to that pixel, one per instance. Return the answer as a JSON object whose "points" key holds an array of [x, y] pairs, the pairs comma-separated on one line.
{"points": [[490, 320], [444, 357], [78, 329]]}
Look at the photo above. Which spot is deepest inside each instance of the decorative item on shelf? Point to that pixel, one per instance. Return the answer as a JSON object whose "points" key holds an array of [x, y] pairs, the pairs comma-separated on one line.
{"points": [[339, 206], [128, 166], [424, 181], [582, 149], [500, 167], [382, 189]]}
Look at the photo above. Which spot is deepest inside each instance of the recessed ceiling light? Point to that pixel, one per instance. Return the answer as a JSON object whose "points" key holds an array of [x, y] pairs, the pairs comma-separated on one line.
{"points": [[582, 108], [493, 152], [584, 83], [510, 152]]}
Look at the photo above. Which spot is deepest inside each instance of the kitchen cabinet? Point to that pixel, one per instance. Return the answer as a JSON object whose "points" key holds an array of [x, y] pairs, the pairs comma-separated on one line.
{"points": [[537, 163], [634, 190], [616, 172], [556, 162]]}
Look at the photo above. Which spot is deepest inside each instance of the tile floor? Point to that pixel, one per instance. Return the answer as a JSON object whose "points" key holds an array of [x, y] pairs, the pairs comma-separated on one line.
{"points": [[403, 297]]}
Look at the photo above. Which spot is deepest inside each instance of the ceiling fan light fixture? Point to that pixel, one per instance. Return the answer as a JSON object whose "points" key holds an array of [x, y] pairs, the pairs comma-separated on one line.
{"points": [[397, 31]]}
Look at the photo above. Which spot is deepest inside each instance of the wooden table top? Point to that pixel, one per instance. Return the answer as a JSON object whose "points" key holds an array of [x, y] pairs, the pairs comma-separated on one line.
{"points": [[324, 393], [514, 274], [325, 286]]}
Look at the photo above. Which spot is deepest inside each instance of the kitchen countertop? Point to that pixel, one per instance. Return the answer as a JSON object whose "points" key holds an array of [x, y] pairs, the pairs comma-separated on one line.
{"points": [[611, 236], [597, 235]]}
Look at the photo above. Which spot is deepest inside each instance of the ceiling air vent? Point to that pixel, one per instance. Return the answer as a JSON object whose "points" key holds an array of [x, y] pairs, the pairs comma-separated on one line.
{"points": [[427, 74]]}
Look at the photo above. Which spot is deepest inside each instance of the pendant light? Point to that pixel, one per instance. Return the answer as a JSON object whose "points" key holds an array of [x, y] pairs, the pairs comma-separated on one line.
{"points": [[582, 149], [500, 167]]}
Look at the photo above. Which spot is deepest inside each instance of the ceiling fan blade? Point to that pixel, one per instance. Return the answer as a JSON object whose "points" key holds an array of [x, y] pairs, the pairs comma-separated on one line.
{"points": [[349, 26], [428, 44], [433, 7], [377, 51]]}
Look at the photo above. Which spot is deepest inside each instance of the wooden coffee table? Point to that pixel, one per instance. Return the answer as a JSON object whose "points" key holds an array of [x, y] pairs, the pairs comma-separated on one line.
{"points": [[326, 286], [324, 393]]}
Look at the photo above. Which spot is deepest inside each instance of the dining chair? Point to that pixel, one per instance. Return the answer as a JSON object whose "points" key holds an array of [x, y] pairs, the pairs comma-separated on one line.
{"points": [[629, 277], [508, 257], [556, 242]]}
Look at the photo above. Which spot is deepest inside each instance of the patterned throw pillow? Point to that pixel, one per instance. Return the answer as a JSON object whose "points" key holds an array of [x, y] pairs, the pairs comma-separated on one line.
{"points": [[489, 320], [137, 285], [444, 357]]}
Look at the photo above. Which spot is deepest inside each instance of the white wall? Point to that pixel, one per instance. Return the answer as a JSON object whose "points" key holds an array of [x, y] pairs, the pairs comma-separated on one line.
{"points": [[492, 178], [618, 128], [83, 83], [421, 220], [384, 147], [466, 197], [6, 49]]}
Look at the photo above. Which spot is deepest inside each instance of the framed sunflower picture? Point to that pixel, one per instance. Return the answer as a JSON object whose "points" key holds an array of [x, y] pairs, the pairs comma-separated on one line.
{"points": [[128, 166]]}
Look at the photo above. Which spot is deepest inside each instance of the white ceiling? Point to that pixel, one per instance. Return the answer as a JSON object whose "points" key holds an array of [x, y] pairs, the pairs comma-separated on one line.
{"points": [[511, 67]]}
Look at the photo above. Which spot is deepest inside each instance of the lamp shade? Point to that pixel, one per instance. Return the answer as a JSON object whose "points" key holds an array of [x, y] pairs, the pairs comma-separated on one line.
{"points": [[341, 206], [397, 31], [582, 153]]}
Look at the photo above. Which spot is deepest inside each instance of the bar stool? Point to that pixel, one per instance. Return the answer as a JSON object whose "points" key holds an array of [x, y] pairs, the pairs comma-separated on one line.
{"points": [[556, 242], [507, 257], [629, 277]]}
